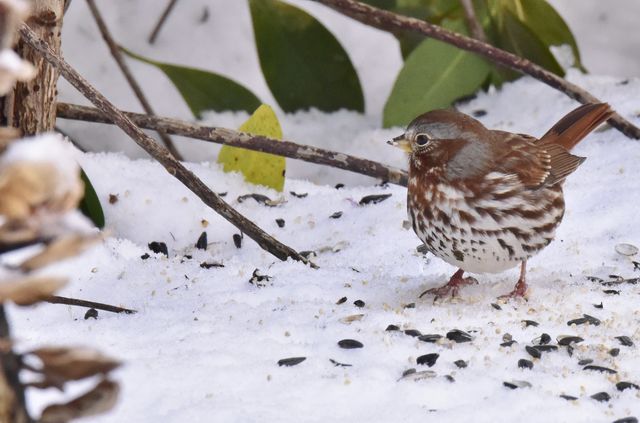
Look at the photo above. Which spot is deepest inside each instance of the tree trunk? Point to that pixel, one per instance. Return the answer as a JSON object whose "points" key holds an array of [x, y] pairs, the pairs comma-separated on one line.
{"points": [[32, 105]]}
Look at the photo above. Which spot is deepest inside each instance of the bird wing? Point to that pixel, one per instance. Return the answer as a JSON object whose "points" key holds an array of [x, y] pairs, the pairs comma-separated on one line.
{"points": [[534, 163]]}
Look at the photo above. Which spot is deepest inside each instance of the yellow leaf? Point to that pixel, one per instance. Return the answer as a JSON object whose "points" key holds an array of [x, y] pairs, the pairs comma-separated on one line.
{"points": [[257, 168]]}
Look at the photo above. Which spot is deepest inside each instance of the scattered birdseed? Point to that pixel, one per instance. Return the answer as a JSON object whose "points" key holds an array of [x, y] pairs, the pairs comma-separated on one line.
{"points": [[528, 323], [568, 397], [259, 280], [585, 361], [288, 362], [301, 195], [461, 364], [338, 364], [626, 249], [159, 248], [601, 396], [599, 369], [359, 303], [568, 340], [336, 215], [430, 337], [391, 328], [208, 265], [515, 384], [237, 240], [533, 352], [373, 199], [92, 313], [459, 336], [280, 223], [496, 306], [621, 386], [341, 300], [350, 344], [614, 352], [412, 332], [201, 244], [523, 363], [338, 186], [625, 340], [428, 359]]}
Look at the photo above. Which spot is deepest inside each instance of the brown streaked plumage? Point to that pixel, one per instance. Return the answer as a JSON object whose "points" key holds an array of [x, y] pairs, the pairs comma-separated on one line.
{"points": [[486, 200]]}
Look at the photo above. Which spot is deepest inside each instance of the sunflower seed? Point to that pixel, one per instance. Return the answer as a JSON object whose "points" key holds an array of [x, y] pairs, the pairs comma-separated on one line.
{"points": [[461, 364], [585, 361], [568, 397], [428, 359], [621, 386], [301, 195], [392, 328], [542, 339], [338, 186], [421, 375], [336, 215], [145, 256], [159, 248], [528, 323], [359, 303], [613, 352], [412, 332], [546, 348], [430, 337], [568, 340], [601, 397], [341, 300], [237, 240], [259, 280], [338, 364], [611, 291], [496, 306], [291, 361], [280, 223], [373, 199], [599, 369], [625, 340], [206, 265], [525, 364], [459, 336], [533, 352], [599, 305], [629, 419], [201, 244], [350, 344], [508, 343], [515, 384], [92, 313]]}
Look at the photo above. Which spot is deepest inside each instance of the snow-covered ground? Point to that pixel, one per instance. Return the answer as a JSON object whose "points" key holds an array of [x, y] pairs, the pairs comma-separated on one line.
{"points": [[205, 344]]}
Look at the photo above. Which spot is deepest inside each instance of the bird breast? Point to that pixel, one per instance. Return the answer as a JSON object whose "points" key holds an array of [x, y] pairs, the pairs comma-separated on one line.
{"points": [[484, 225]]}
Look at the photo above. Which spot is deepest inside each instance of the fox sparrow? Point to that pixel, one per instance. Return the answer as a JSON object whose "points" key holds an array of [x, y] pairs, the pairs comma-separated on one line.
{"points": [[486, 200]]}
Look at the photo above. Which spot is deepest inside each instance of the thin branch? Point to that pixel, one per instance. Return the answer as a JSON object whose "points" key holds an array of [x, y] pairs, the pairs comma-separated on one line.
{"points": [[122, 64], [392, 22], [474, 25], [243, 140], [163, 18], [160, 153], [55, 299]]}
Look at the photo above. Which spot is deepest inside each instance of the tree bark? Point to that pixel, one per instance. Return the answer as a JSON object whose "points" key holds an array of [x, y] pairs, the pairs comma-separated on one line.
{"points": [[32, 105]]}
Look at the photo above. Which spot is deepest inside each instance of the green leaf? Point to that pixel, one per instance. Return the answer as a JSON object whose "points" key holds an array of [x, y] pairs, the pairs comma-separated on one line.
{"points": [[257, 168], [303, 63], [90, 205], [519, 39], [434, 75], [546, 23], [204, 90]]}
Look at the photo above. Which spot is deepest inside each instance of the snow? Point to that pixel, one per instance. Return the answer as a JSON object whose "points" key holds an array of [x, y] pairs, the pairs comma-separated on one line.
{"points": [[206, 342]]}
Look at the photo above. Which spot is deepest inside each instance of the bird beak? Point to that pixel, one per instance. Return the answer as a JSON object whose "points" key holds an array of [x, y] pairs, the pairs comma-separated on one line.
{"points": [[401, 142]]}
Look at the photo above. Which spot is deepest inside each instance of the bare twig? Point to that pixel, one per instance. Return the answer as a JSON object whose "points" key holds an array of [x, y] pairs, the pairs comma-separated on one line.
{"points": [[55, 299], [392, 22], [243, 140], [160, 153], [472, 21], [163, 18], [133, 83]]}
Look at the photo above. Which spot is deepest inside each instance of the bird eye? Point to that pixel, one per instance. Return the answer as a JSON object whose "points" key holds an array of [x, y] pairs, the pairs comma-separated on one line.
{"points": [[422, 139]]}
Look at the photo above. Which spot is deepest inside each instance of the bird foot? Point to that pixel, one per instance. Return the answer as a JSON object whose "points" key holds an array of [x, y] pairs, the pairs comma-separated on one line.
{"points": [[520, 290], [451, 288]]}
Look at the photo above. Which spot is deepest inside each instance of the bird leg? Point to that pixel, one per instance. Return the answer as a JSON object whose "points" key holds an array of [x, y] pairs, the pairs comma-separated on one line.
{"points": [[452, 287], [521, 286]]}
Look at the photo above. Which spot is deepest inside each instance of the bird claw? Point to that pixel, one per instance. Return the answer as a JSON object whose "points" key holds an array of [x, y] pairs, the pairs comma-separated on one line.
{"points": [[519, 291], [451, 288]]}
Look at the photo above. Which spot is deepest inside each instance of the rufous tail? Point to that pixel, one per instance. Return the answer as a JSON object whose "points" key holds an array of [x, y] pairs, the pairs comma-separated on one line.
{"points": [[576, 125]]}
